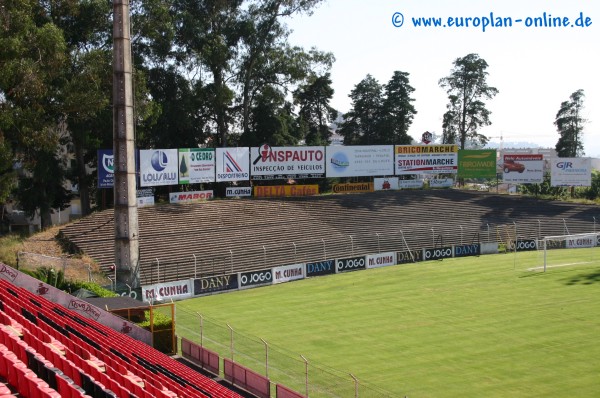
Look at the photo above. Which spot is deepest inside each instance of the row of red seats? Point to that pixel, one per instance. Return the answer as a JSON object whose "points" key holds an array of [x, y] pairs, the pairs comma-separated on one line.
{"points": [[134, 369]]}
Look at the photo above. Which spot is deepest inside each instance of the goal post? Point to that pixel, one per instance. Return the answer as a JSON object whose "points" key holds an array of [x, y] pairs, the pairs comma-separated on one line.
{"points": [[568, 250]]}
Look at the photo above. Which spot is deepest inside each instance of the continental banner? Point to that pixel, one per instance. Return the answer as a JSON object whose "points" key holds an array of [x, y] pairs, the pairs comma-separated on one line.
{"points": [[279, 191], [319, 268], [269, 163], [477, 163], [426, 159], [353, 187], [214, 284]]}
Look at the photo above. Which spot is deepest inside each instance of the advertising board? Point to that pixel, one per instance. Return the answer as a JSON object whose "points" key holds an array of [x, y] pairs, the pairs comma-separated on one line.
{"points": [[522, 168], [380, 259], [106, 168], [359, 161], [190, 196], [158, 167], [385, 184], [570, 172], [256, 278], [426, 159], [232, 192], [319, 268], [353, 187], [196, 165], [477, 163], [212, 284], [232, 164], [409, 256], [269, 163], [279, 191], [288, 273], [350, 264], [438, 253], [473, 249], [177, 290]]}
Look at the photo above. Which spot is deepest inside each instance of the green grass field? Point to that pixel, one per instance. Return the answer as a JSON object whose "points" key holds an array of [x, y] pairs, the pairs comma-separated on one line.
{"points": [[470, 327]]}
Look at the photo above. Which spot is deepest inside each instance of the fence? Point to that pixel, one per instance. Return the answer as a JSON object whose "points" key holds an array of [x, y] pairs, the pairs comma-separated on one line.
{"points": [[294, 371], [315, 248], [73, 269]]}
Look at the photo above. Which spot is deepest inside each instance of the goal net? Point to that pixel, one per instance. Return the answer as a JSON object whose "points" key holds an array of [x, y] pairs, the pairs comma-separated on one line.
{"points": [[568, 250]]}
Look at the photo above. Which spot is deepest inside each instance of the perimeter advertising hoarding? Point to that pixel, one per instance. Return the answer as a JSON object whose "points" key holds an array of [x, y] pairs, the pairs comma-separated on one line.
{"points": [[385, 184], [477, 163], [410, 184], [177, 290], [441, 182], [106, 168], [288, 273], [232, 192], [232, 164], [571, 172], [158, 167], [359, 161], [522, 168], [380, 259], [426, 159], [353, 187], [438, 253], [523, 245], [582, 241], [473, 249], [319, 268], [409, 256], [270, 163], [191, 196], [214, 284], [256, 278], [196, 165], [350, 264], [279, 191]]}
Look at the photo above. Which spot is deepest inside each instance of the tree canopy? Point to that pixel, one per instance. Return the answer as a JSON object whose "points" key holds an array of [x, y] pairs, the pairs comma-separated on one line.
{"points": [[569, 123]]}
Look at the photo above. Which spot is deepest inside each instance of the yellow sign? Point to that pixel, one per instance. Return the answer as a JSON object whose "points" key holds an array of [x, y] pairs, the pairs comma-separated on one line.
{"points": [[276, 191], [353, 187]]}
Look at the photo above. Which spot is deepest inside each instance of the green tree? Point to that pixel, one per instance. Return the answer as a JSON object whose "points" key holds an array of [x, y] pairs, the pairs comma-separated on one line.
{"points": [[315, 114], [569, 123], [466, 112], [397, 110], [360, 126], [8, 176]]}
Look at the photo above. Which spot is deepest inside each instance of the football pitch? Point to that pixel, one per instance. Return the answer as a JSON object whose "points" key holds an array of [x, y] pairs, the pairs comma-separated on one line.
{"points": [[469, 327]]}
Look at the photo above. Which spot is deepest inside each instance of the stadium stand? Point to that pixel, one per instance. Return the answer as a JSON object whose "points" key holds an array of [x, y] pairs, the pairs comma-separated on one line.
{"points": [[47, 350], [241, 235]]}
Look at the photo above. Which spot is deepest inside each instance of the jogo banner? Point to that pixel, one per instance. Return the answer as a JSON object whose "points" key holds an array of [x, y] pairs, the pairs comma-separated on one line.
{"points": [[196, 165], [523, 168], [477, 163], [270, 163], [426, 159], [359, 161]]}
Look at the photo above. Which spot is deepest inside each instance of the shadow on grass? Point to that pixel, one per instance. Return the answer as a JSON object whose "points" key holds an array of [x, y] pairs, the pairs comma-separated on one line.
{"points": [[584, 279]]}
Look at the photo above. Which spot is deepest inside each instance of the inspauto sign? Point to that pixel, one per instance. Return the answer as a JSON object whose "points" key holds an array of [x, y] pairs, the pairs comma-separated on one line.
{"points": [[287, 162]]}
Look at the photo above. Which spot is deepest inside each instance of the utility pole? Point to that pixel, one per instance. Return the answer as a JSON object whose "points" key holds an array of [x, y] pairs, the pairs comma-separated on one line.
{"points": [[126, 215]]}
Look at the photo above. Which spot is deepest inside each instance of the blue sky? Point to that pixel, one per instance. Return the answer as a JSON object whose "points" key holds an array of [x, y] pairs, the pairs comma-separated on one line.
{"points": [[535, 69]]}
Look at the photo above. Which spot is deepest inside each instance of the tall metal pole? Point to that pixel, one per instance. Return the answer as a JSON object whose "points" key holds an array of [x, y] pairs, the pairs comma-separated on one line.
{"points": [[126, 215]]}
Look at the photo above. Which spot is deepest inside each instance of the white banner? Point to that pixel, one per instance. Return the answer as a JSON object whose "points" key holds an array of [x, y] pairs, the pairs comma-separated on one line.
{"points": [[519, 168], [192, 196], [232, 192], [385, 184], [232, 164], [441, 182], [381, 259], [410, 184], [359, 161], [145, 201], [287, 162], [581, 241], [571, 172], [288, 273], [196, 165], [158, 167], [426, 159], [177, 290]]}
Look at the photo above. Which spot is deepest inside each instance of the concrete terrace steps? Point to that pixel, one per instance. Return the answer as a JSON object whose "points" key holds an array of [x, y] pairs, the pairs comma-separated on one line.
{"points": [[233, 235]]}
